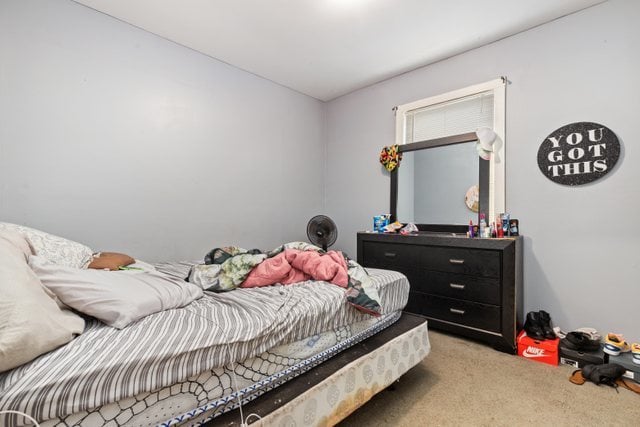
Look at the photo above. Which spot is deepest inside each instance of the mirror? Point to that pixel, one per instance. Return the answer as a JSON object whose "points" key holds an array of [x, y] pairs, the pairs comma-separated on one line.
{"points": [[433, 183], [430, 186]]}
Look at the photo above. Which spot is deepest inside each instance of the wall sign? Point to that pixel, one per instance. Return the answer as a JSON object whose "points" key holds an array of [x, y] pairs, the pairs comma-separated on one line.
{"points": [[578, 153]]}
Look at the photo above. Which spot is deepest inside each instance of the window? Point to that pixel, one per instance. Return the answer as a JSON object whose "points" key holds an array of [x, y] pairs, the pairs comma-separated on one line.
{"points": [[449, 118], [457, 112]]}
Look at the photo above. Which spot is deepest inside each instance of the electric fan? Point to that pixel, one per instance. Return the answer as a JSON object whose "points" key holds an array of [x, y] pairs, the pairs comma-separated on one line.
{"points": [[322, 231]]}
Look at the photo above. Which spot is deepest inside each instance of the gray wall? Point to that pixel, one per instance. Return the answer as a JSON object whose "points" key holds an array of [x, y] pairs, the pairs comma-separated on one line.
{"points": [[581, 245], [122, 140]]}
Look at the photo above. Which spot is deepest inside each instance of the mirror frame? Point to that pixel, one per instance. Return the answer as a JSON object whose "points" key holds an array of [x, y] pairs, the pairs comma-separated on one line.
{"points": [[483, 181]]}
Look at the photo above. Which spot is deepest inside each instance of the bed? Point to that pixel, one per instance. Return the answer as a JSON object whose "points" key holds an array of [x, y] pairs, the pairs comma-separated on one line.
{"points": [[191, 365]]}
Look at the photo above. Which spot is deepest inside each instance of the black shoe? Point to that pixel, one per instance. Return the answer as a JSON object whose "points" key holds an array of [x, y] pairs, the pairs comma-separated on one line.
{"points": [[545, 323], [603, 374], [580, 341], [532, 326]]}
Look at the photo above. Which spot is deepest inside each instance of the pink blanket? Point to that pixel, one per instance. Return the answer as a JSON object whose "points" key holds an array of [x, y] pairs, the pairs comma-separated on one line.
{"points": [[293, 266]]}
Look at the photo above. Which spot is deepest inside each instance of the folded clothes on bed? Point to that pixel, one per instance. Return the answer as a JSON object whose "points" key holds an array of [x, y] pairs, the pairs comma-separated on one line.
{"points": [[231, 267]]}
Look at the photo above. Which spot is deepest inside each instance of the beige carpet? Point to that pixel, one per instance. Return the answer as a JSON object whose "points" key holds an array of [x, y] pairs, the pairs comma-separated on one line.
{"points": [[465, 383]]}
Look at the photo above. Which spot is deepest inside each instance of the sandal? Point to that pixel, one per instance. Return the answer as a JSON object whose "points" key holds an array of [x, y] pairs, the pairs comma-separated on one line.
{"points": [[577, 377], [628, 384], [593, 333]]}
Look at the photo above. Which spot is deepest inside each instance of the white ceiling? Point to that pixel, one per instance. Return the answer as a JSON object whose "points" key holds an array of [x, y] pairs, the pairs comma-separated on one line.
{"points": [[327, 48]]}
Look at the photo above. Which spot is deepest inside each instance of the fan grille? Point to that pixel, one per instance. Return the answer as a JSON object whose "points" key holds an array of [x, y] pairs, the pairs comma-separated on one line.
{"points": [[322, 231]]}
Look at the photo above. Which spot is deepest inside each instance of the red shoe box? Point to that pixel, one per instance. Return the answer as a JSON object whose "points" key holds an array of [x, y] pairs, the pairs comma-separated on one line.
{"points": [[545, 351]]}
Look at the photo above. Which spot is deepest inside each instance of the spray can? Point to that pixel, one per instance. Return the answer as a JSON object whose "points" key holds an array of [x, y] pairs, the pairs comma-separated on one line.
{"points": [[505, 223]]}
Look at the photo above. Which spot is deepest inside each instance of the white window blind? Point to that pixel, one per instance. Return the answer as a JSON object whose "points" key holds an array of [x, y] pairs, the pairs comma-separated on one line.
{"points": [[450, 118]]}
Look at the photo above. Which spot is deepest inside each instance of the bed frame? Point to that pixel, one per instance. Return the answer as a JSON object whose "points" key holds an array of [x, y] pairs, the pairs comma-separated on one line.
{"points": [[331, 391], [321, 390]]}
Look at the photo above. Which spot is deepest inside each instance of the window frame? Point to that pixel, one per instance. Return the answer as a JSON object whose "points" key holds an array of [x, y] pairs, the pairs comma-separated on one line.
{"points": [[497, 169]]}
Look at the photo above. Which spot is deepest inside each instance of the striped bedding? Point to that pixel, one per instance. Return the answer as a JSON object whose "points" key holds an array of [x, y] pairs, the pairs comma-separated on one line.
{"points": [[212, 393], [106, 365]]}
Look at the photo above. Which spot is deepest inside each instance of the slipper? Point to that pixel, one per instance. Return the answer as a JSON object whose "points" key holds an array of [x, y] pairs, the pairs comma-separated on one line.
{"points": [[628, 384], [559, 332], [593, 333], [577, 377]]}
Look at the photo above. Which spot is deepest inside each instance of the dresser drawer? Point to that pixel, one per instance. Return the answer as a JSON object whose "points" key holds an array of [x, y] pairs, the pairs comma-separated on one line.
{"points": [[389, 255], [481, 316], [459, 286], [469, 287], [459, 260]]}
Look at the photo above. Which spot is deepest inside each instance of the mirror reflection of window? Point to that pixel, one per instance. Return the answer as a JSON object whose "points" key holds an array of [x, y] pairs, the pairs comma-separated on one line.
{"points": [[432, 184]]}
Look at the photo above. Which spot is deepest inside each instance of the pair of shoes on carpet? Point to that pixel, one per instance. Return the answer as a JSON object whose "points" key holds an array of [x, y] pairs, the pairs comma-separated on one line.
{"points": [[609, 374], [538, 325]]}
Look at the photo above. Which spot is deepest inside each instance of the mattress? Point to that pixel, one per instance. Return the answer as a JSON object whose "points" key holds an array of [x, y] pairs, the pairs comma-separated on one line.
{"points": [[198, 399], [123, 368], [344, 383]]}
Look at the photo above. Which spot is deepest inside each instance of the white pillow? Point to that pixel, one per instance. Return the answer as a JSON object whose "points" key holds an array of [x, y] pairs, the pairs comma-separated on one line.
{"points": [[19, 241], [31, 320], [118, 298], [141, 265], [54, 248]]}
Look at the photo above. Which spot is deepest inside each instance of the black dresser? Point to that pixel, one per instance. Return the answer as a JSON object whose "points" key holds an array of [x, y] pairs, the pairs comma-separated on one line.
{"points": [[471, 287]]}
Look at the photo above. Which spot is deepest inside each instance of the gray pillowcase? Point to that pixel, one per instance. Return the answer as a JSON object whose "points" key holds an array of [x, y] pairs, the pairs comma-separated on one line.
{"points": [[117, 298]]}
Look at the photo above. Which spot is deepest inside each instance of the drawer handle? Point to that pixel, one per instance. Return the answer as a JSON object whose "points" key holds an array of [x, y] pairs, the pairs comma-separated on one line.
{"points": [[456, 311], [390, 254], [456, 261], [456, 286]]}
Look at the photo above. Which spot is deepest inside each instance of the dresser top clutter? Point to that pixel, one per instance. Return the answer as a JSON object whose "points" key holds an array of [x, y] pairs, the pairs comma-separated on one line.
{"points": [[470, 287]]}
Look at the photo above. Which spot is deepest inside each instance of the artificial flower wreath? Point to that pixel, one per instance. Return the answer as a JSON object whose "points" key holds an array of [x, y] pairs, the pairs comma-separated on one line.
{"points": [[390, 157]]}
